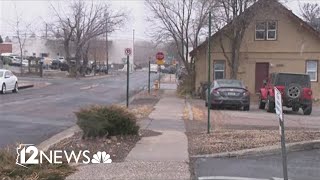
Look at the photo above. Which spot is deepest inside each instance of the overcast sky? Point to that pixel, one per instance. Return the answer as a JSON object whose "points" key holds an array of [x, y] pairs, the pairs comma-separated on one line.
{"points": [[38, 12]]}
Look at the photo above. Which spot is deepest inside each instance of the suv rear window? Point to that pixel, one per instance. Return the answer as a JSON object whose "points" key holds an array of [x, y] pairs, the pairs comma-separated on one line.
{"points": [[287, 79]]}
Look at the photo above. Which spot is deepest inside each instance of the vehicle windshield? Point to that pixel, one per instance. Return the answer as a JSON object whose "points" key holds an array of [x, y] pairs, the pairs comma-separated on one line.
{"points": [[287, 79], [1, 74], [229, 83]]}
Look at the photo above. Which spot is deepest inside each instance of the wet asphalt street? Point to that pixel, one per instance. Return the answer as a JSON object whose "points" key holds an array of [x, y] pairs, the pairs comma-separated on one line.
{"points": [[35, 114]]}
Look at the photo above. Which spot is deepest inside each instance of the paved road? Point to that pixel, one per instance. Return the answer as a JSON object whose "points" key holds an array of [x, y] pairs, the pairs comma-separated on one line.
{"points": [[34, 115], [301, 166]]}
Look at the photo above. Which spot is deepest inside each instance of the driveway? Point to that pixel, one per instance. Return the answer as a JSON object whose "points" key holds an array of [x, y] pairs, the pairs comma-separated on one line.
{"points": [[260, 118], [256, 118]]}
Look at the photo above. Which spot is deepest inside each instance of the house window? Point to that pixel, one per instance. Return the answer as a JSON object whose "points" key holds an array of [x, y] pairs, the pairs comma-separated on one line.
{"points": [[312, 69], [266, 30], [260, 31], [272, 30], [219, 67]]}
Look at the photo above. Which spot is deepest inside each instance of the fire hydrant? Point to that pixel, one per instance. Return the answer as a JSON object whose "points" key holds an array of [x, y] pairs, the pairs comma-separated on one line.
{"points": [[156, 84]]}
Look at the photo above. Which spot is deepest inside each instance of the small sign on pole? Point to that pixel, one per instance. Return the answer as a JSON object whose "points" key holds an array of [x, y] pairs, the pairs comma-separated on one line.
{"points": [[278, 103], [128, 51], [279, 112]]}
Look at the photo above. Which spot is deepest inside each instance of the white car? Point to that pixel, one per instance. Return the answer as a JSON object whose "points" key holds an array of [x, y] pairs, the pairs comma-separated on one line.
{"points": [[8, 81]]}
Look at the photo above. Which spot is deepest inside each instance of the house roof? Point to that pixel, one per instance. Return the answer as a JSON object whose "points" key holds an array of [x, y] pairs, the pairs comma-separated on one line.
{"points": [[255, 5]]}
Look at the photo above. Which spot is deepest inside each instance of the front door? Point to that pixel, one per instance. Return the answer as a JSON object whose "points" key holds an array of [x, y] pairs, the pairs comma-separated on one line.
{"points": [[262, 73]]}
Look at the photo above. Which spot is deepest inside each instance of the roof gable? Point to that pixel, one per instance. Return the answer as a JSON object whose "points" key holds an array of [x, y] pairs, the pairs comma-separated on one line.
{"points": [[255, 7]]}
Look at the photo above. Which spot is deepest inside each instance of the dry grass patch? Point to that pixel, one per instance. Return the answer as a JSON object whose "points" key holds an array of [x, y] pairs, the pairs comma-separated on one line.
{"points": [[142, 111], [9, 170], [198, 113], [233, 140]]}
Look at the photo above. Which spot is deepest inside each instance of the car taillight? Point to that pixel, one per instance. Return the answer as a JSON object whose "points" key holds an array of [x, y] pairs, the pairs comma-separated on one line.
{"points": [[215, 92]]}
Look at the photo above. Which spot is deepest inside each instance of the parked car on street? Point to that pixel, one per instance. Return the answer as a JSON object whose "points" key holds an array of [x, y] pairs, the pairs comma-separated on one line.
{"points": [[295, 89], [228, 93], [55, 64], [8, 81]]}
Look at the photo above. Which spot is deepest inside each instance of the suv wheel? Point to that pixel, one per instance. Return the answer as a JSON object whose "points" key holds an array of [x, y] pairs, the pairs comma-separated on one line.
{"points": [[293, 91], [270, 105], [307, 110], [262, 105]]}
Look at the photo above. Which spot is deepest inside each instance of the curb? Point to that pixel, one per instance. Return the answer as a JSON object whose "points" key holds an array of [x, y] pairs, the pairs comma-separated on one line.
{"points": [[262, 151], [26, 86], [45, 145]]}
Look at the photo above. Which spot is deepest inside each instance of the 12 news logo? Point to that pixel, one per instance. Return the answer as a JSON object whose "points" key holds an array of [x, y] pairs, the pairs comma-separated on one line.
{"points": [[29, 154]]}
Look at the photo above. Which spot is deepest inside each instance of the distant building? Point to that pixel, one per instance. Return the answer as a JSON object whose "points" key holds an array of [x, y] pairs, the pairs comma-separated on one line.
{"points": [[53, 48], [5, 48]]}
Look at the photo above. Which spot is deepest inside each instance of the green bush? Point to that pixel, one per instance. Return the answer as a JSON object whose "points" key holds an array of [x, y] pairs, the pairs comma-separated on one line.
{"points": [[98, 121]]}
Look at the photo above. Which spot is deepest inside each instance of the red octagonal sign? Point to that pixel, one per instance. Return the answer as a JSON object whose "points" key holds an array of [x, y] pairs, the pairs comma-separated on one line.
{"points": [[160, 56]]}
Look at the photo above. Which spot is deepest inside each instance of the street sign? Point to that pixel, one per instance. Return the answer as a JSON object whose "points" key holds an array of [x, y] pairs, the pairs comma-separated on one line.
{"points": [[278, 103], [127, 51], [160, 62], [160, 56]]}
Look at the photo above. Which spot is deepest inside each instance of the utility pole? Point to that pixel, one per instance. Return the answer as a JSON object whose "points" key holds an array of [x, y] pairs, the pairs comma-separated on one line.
{"points": [[149, 76], [209, 72], [107, 48], [133, 50], [128, 80], [46, 30]]}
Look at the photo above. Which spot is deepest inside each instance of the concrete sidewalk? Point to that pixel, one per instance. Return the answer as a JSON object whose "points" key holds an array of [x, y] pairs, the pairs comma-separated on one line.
{"points": [[158, 157]]}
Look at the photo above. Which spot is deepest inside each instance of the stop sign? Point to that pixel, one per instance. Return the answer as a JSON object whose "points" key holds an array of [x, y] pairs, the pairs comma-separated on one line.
{"points": [[160, 56]]}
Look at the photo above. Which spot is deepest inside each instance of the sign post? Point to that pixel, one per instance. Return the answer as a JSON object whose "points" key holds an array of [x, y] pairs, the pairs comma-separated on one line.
{"points": [[128, 51], [149, 78], [279, 112], [160, 61], [209, 72]]}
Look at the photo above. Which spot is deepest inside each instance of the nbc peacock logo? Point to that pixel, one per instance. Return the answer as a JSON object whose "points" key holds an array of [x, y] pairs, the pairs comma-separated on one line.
{"points": [[101, 157]]}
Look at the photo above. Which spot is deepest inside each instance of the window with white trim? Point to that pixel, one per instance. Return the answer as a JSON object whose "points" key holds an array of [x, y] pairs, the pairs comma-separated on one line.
{"points": [[272, 30], [260, 31], [312, 69], [219, 67], [266, 30]]}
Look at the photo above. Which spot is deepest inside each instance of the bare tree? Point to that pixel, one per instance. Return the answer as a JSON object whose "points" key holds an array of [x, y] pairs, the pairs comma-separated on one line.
{"points": [[311, 14], [231, 13], [180, 21], [21, 30], [87, 21]]}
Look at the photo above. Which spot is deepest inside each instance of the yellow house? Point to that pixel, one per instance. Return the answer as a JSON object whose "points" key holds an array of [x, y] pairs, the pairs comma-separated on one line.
{"points": [[276, 40]]}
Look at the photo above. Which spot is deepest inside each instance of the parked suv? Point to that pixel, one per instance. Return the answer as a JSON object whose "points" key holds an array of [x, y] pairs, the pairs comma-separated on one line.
{"points": [[295, 89]]}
